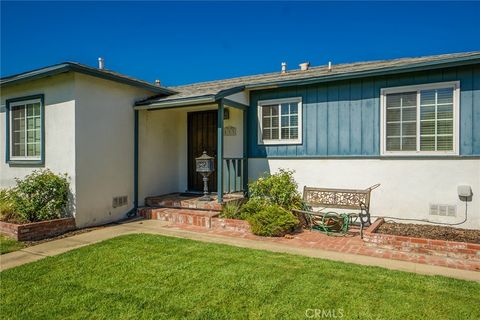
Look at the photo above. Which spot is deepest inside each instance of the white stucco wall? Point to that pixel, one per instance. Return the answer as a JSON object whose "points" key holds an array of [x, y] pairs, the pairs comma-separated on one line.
{"points": [[408, 187], [160, 144], [104, 139], [233, 145], [59, 127]]}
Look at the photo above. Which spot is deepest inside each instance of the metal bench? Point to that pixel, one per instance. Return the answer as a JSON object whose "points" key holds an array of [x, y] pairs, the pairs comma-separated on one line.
{"points": [[324, 198]]}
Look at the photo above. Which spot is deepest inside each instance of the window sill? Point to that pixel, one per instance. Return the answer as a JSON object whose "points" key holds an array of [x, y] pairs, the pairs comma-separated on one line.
{"points": [[26, 163], [279, 143], [420, 154]]}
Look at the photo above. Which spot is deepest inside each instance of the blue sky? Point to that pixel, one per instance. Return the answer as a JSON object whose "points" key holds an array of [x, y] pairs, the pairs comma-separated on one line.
{"points": [[187, 42]]}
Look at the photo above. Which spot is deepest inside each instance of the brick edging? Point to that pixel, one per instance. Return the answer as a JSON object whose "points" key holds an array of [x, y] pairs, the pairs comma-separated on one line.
{"points": [[230, 224], [37, 230], [454, 249]]}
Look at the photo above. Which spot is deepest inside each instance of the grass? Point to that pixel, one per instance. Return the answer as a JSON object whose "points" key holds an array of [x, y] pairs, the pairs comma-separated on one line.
{"points": [[148, 276], [8, 245]]}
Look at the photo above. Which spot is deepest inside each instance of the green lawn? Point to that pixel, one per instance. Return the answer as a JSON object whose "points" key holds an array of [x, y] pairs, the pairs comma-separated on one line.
{"points": [[8, 245], [147, 276]]}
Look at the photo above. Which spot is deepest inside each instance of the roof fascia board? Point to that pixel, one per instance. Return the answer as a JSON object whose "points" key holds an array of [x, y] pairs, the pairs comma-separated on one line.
{"points": [[62, 68], [192, 100], [201, 105], [227, 92], [185, 102]]}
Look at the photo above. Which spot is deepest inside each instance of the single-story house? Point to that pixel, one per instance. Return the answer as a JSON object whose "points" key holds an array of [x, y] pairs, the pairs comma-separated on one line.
{"points": [[411, 124]]}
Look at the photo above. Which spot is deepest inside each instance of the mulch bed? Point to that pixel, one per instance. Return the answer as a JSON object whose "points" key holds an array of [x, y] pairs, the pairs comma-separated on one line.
{"points": [[430, 232], [70, 233], [74, 233], [65, 235]]}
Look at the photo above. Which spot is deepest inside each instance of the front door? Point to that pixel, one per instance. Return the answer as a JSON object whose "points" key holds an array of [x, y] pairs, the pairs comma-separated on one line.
{"points": [[202, 136]]}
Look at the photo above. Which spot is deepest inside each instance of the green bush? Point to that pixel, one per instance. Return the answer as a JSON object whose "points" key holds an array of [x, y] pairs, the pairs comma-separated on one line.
{"points": [[41, 195], [279, 188], [7, 206], [271, 200], [251, 207], [272, 221]]}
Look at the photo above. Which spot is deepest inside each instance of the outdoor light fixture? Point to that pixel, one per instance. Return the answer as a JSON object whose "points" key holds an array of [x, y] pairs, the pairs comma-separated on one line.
{"points": [[205, 166]]}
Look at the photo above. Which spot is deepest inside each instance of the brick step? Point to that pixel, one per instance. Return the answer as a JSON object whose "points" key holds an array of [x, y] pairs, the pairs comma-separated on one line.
{"points": [[189, 201], [200, 218], [179, 203]]}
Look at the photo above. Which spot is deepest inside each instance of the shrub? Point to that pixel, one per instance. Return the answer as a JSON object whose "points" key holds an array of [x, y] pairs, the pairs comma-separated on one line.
{"points": [[251, 207], [41, 195], [7, 207], [242, 211], [231, 210], [279, 188], [272, 221]]}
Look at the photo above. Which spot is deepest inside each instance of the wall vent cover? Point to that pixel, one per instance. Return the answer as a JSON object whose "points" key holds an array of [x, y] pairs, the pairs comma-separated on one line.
{"points": [[119, 201], [444, 210]]}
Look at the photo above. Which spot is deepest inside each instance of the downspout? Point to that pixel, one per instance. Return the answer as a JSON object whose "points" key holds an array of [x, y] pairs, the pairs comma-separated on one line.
{"points": [[133, 212]]}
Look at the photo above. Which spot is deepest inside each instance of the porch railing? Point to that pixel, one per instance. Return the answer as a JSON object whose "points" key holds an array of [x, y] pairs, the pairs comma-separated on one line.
{"points": [[234, 179]]}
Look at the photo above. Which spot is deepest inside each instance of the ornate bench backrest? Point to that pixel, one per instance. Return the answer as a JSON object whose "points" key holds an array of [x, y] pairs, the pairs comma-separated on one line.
{"points": [[336, 198]]}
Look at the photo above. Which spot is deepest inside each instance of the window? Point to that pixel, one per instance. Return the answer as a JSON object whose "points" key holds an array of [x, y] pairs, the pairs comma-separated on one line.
{"points": [[280, 121], [25, 129], [420, 119]]}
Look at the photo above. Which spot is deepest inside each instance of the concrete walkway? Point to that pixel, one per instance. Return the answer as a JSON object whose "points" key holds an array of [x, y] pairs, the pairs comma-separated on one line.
{"points": [[56, 247]]}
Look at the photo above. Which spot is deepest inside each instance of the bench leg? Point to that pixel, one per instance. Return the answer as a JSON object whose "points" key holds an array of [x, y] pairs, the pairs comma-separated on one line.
{"points": [[367, 211]]}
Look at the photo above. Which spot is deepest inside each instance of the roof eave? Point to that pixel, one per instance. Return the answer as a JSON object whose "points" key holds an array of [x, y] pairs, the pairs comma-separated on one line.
{"points": [[368, 73], [177, 103], [227, 92], [20, 78], [189, 101], [108, 76], [67, 67]]}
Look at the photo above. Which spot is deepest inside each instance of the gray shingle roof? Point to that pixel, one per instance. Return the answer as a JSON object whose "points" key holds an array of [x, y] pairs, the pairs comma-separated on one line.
{"points": [[81, 68], [338, 71]]}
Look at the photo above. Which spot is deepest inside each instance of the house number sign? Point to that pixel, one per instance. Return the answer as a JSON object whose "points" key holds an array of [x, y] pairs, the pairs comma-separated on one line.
{"points": [[230, 131]]}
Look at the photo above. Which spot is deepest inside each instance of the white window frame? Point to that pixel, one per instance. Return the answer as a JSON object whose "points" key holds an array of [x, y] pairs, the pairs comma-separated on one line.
{"points": [[24, 103], [262, 103], [456, 118]]}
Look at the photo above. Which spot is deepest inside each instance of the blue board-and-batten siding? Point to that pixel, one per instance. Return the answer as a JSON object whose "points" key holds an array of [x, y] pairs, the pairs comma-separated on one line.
{"points": [[342, 118]]}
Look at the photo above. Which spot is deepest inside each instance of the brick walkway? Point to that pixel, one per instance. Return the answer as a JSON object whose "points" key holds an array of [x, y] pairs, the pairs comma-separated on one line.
{"points": [[349, 244]]}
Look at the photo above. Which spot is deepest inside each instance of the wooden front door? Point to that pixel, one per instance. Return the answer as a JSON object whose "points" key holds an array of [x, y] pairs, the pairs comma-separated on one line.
{"points": [[202, 136]]}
